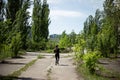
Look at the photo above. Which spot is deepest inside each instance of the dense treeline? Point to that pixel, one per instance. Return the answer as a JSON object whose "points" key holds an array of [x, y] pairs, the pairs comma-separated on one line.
{"points": [[18, 31], [101, 32], [40, 24], [100, 36]]}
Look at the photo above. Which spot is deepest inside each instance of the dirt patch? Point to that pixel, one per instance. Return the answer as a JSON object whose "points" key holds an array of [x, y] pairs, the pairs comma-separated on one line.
{"points": [[111, 68]]}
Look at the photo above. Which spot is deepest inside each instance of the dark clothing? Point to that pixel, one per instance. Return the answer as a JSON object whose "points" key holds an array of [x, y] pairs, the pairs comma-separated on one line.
{"points": [[57, 56], [56, 51]]}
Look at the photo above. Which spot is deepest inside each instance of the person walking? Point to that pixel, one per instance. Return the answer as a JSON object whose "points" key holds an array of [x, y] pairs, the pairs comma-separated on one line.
{"points": [[57, 55]]}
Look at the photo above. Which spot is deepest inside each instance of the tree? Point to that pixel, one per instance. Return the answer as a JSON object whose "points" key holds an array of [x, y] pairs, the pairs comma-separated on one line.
{"points": [[2, 12], [112, 14], [12, 7], [72, 37], [45, 20], [90, 32], [80, 44], [16, 44], [4, 44], [4, 33], [20, 30], [40, 23], [64, 40], [36, 24], [22, 24]]}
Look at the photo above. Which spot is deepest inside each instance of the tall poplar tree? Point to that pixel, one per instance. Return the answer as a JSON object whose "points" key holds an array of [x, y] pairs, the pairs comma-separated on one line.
{"points": [[45, 20], [20, 30], [36, 22], [40, 23], [12, 7], [2, 11], [112, 12]]}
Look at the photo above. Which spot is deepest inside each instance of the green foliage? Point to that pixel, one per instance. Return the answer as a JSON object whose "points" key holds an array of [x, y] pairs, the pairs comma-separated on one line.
{"points": [[84, 72], [90, 60], [80, 44], [64, 40], [40, 56], [112, 15], [21, 23], [45, 20], [100, 32], [36, 25], [4, 40], [18, 72], [51, 44], [11, 9], [40, 22], [91, 29], [35, 46], [78, 57], [106, 39], [16, 44], [72, 37], [5, 51], [2, 11]]}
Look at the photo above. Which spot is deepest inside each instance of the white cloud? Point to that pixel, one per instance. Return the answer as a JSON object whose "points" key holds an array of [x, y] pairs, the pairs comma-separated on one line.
{"points": [[54, 1], [66, 13]]}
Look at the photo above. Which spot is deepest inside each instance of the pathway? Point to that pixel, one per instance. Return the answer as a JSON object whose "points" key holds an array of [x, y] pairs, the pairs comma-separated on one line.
{"points": [[45, 69]]}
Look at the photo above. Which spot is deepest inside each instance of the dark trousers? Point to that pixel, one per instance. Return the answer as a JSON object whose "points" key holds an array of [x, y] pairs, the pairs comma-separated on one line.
{"points": [[57, 58]]}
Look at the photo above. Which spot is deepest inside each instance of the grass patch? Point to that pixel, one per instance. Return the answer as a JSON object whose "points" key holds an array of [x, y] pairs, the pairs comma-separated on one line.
{"points": [[22, 52], [17, 73], [109, 73], [40, 56], [83, 71], [49, 71]]}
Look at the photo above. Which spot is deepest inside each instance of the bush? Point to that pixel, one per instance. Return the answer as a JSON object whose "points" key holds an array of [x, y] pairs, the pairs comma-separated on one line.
{"points": [[49, 51], [36, 46], [64, 50], [16, 44], [78, 56], [90, 60], [5, 52], [40, 56]]}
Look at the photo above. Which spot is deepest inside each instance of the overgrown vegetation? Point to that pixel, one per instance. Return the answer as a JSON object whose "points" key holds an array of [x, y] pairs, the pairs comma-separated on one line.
{"points": [[99, 38], [40, 56], [18, 32], [18, 72], [14, 75], [90, 60]]}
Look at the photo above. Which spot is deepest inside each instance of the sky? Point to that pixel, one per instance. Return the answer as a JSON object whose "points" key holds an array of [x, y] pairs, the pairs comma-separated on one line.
{"points": [[70, 15]]}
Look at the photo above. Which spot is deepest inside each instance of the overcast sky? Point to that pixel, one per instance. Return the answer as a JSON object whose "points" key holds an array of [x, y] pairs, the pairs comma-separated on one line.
{"points": [[70, 15]]}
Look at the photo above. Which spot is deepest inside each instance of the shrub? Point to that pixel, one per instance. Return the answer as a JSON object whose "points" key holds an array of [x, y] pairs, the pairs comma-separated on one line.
{"points": [[5, 52], [16, 44], [40, 56], [90, 60], [78, 56]]}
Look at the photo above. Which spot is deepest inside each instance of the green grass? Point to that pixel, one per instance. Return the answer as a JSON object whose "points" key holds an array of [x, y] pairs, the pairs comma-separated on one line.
{"points": [[84, 72], [40, 56], [110, 73], [14, 75], [18, 72]]}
